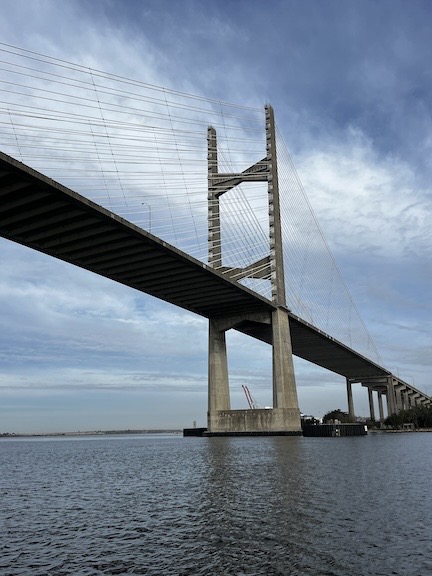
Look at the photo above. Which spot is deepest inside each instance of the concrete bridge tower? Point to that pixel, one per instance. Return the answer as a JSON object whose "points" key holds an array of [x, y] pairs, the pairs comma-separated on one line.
{"points": [[284, 417]]}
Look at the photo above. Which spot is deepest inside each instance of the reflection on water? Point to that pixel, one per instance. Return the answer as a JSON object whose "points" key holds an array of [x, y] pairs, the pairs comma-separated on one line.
{"points": [[163, 505]]}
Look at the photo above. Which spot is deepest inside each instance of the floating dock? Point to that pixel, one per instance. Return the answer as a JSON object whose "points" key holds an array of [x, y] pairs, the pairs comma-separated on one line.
{"points": [[194, 431], [334, 430], [317, 431]]}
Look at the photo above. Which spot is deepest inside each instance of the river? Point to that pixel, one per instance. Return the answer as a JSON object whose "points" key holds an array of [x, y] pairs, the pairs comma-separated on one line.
{"points": [[168, 505]]}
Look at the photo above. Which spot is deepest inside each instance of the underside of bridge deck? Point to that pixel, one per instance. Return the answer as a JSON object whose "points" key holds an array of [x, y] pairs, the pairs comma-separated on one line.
{"points": [[44, 215], [317, 347]]}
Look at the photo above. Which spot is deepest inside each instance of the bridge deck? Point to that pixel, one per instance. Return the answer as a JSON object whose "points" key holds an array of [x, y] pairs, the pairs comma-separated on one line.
{"points": [[44, 215]]}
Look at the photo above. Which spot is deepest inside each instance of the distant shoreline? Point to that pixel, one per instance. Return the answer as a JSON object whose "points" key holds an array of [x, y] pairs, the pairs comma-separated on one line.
{"points": [[78, 433], [404, 430], [86, 433]]}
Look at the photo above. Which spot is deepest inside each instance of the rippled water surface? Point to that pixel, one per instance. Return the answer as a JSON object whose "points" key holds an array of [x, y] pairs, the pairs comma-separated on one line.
{"points": [[167, 505]]}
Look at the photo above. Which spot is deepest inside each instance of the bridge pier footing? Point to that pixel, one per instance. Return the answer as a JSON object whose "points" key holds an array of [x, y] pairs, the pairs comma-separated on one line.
{"points": [[259, 422], [284, 417]]}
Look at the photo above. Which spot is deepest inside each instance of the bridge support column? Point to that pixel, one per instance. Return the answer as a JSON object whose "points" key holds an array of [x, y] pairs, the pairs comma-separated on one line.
{"points": [[407, 404], [414, 399], [350, 400], [410, 400], [391, 397], [403, 399], [398, 395], [371, 404], [380, 406], [285, 401], [218, 383]]}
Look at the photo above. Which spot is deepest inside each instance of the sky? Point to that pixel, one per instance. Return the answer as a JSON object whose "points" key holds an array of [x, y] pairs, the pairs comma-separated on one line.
{"points": [[350, 82]]}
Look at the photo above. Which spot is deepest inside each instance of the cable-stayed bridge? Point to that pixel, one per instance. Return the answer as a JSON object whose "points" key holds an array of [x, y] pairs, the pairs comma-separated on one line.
{"points": [[131, 183]]}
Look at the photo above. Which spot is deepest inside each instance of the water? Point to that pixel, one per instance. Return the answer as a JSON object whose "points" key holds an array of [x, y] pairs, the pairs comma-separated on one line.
{"points": [[167, 505]]}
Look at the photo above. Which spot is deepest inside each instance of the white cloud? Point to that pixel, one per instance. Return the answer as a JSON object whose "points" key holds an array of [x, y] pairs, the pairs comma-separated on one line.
{"points": [[367, 202]]}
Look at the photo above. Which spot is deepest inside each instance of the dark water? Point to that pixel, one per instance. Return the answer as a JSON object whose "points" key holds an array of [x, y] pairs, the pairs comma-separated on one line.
{"points": [[165, 505]]}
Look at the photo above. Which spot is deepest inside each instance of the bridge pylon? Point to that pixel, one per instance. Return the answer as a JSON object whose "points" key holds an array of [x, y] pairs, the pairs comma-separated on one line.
{"points": [[284, 417]]}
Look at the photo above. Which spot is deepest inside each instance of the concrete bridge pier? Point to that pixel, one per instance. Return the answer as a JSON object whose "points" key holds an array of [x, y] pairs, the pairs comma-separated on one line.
{"points": [[284, 389], [350, 399], [407, 402], [373, 384], [398, 395], [391, 397], [403, 398], [381, 406], [371, 404], [284, 417], [218, 384]]}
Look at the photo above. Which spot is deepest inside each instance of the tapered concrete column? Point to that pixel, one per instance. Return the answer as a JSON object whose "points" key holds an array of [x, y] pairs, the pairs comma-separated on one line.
{"points": [[402, 398], [371, 404], [284, 385], [380, 406], [398, 395], [391, 398], [388, 406], [218, 385], [350, 400], [407, 400]]}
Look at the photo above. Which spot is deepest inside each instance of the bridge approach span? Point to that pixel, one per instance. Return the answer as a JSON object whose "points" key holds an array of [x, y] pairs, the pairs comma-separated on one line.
{"points": [[44, 215]]}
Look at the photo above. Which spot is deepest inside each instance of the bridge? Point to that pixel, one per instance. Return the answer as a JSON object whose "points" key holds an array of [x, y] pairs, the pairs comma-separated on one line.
{"points": [[46, 215]]}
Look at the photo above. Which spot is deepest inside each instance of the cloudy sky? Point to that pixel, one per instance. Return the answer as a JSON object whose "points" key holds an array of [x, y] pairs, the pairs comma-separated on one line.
{"points": [[350, 82]]}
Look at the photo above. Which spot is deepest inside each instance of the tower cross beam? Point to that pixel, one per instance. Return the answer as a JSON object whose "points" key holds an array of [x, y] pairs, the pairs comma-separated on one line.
{"points": [[222, 182], [259, 269]]}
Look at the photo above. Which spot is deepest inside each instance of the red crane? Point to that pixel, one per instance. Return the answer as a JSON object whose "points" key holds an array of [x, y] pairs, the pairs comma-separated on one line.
{"points": [[253, 405]]}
